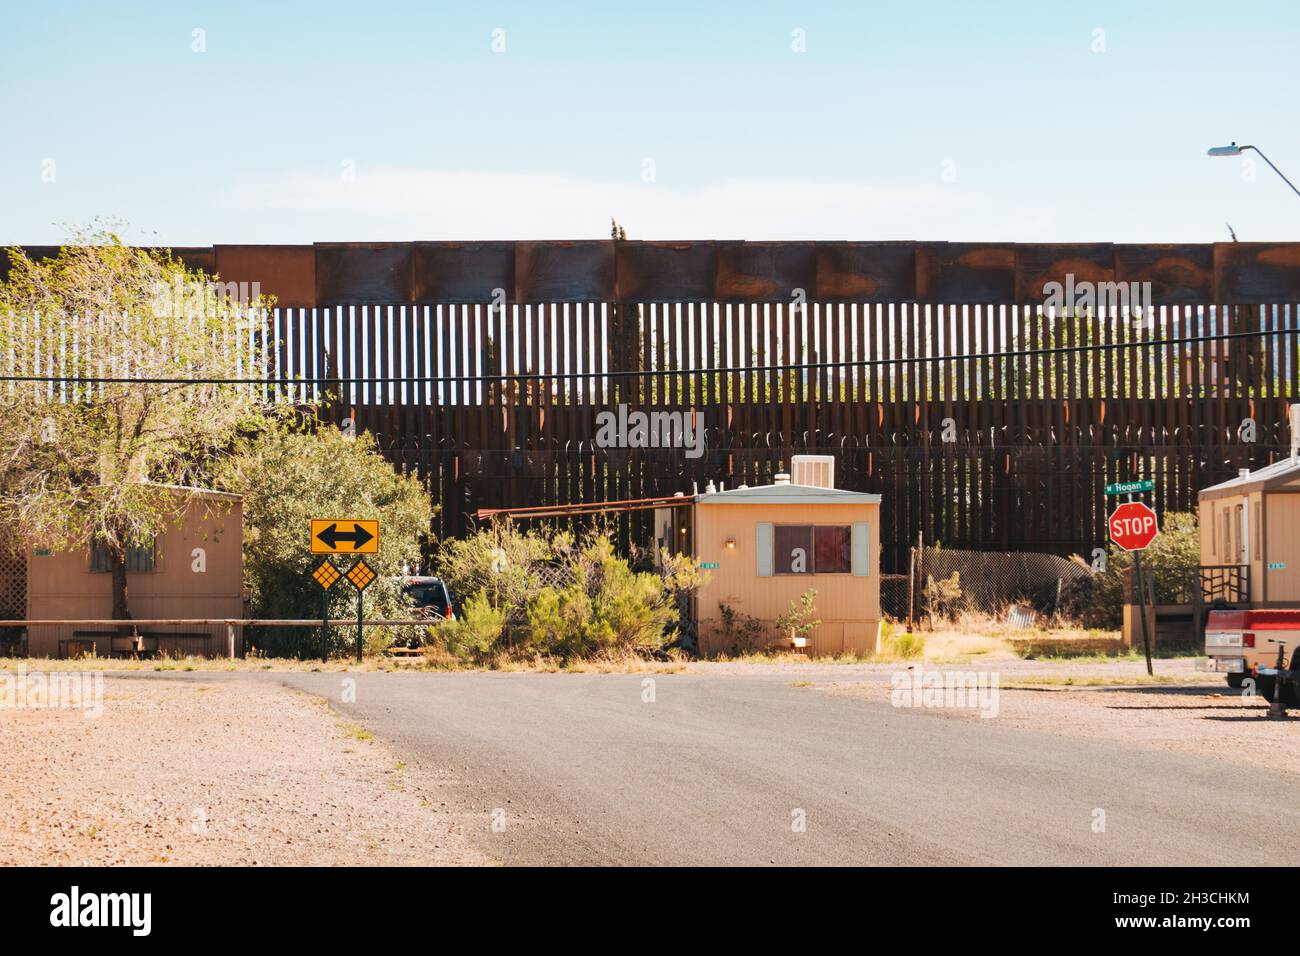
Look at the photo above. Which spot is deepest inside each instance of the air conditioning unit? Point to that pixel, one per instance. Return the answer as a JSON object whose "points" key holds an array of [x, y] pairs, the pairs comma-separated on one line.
{"points": [[816, 471]]}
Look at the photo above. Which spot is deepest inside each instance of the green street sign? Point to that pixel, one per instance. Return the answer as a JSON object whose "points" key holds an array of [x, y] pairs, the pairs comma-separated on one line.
{"points": [[1130, 487], [1276, 565]]}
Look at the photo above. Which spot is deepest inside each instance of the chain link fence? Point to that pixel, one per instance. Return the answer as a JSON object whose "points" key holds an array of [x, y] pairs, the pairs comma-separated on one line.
{"points": [[948, 583], [895, 595]]}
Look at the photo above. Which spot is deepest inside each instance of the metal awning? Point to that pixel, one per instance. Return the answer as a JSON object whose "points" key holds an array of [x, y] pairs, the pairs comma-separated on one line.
{"points": [[585, 508]]}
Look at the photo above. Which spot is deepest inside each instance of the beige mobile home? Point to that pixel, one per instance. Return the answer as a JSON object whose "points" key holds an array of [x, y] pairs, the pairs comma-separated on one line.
{"points": [[192, 570], [1250, 529], [765, 546]]}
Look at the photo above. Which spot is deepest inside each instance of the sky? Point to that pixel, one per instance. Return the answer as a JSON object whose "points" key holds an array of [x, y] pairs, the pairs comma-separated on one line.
{"points": [[197, 123]]}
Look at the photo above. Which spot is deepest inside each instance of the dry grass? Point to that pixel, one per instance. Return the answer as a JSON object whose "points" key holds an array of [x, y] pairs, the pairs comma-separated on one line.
{"points": [[971, 635], [964, 639], [610, 662], [434, 658], [241, 664], [1034, 681]]}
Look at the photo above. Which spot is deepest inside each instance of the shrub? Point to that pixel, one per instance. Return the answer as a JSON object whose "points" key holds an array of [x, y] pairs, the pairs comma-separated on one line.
{"points": [[535, 595], [1175, 550], [799, 620], [904, 645], [506, 563], [743, 633], [476, 631], [287, 476], [943, 597]]}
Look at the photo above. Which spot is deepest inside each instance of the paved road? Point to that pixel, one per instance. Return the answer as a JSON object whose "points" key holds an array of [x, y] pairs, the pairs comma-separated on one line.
{"points": [[716, 768]]}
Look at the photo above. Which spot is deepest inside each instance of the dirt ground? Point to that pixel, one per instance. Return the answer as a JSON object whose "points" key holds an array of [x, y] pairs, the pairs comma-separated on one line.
{"points": [[228, 773], [1185, 710]]}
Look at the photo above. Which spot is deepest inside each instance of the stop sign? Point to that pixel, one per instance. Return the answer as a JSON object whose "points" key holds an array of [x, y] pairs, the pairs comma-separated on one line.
{"points": [[1132, 526]]}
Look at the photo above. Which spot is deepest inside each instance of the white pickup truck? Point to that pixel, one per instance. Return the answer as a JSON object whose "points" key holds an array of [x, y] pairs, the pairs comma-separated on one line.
{"points": [[1244, 645]]}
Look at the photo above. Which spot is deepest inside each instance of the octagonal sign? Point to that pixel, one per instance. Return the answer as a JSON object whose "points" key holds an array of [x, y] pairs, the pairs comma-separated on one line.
{"points": [[1133, 526]]}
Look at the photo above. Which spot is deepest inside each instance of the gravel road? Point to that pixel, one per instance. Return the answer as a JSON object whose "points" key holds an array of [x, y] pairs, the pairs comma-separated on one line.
{"points": [[719, 765], [201, 772], [724, 767]]}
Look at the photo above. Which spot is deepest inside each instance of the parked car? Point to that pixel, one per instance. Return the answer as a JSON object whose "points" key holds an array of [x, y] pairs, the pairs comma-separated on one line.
{"points": [[431, 596]]}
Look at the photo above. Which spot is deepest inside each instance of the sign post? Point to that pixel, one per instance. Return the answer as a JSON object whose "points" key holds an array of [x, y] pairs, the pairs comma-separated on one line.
{"points": [[325, 575], [1133, 526], [360, 574], [343, 536]]}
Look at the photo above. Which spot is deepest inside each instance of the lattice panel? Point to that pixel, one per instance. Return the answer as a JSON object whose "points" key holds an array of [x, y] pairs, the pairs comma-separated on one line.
{"points": [[13, 583]]}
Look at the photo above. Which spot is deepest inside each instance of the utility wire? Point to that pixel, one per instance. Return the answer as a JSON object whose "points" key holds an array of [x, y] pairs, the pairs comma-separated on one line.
{"points": [[594, 374]]}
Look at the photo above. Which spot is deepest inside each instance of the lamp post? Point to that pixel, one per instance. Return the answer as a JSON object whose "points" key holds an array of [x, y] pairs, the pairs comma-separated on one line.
{"points": [[1234, 150]]}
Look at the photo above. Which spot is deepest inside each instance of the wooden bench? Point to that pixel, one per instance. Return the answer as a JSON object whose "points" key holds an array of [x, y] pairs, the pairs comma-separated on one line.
{"points": [[124, 645]]}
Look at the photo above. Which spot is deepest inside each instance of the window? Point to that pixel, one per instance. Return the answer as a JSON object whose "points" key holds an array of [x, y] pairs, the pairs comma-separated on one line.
{"points": [[833, 549], [1257, 533], [794, 553], [137, 559], [813, 549]]}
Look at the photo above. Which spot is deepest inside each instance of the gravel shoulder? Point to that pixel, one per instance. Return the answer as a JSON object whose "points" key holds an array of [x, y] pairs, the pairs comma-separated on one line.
{"points": [[230, 772], [1191, 712]]}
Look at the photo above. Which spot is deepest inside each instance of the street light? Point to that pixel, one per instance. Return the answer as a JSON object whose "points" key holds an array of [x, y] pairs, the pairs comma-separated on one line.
{"points": [[1235, 150]]}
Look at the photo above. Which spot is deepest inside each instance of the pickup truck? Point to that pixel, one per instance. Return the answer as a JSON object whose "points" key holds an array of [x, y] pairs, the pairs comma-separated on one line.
{"points": [[1244, 645]]}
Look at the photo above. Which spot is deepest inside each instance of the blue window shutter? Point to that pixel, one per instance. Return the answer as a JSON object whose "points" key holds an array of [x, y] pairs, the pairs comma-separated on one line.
{"points": [[861, 549], [764, 544]]}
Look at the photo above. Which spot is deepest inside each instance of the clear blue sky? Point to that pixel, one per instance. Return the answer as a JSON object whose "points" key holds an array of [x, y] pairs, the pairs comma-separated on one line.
{"points": [[397, 120]]}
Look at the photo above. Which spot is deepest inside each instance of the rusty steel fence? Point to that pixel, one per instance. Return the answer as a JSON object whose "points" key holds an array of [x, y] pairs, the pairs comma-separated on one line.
{"points": [[940, 375]]}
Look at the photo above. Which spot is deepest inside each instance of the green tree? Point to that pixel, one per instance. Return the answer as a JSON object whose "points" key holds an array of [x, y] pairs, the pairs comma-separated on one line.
{"points": [[1169, 564], [138, 351], [288, 476]]}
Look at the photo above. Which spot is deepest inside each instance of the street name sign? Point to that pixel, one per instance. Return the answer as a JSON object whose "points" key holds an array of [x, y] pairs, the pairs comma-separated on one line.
{"points": [[1130, 487]]}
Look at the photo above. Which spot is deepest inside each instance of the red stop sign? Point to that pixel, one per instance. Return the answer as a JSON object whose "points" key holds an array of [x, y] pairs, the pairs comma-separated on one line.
{"points": [[1133, 526]]}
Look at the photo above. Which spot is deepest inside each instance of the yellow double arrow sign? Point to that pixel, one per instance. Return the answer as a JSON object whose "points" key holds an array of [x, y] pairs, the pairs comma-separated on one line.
{"points": [[344, 536]]}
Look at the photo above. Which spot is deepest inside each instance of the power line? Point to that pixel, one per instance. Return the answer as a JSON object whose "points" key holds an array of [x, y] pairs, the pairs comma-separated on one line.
{"points": [[595, 374]]}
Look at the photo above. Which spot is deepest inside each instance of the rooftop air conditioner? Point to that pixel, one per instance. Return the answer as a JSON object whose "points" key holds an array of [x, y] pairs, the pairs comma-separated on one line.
{"points": [[816, 471]]}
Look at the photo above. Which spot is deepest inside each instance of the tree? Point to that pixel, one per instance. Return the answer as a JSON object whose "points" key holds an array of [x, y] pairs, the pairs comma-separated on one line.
{"points": [[289, 475], [1169, 564], [135, 352]]}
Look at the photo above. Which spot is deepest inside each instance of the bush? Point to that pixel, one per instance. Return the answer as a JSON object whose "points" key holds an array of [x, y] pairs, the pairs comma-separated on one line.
{"points": [[1175, 550], [536, 595], [478, 628], [798, 620], [943, 597], [744, 634], [904, 645], [509, 564], [287, 476]]}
